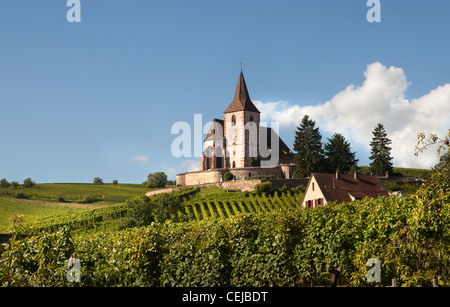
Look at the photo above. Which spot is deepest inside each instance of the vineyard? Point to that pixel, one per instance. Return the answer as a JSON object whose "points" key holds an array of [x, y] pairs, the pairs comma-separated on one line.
{"points": [[226, 205], [106, 194], [323, 246], [194, 205], [212, 237]]}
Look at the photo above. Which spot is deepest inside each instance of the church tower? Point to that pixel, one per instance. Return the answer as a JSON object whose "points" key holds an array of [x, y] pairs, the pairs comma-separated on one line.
{"points": [[241, 128]]}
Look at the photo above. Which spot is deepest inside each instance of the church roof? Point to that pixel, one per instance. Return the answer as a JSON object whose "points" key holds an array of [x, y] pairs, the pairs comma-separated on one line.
{"points": [[216, 130], [285, 155], [241, 101]]}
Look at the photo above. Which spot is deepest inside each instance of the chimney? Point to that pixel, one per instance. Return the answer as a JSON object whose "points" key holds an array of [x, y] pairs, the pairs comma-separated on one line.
{"points": [[338, 174], [356, 175]]}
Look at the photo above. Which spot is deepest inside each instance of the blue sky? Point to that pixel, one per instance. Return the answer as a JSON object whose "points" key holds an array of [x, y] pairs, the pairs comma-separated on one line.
{"points": [[99, 97]]}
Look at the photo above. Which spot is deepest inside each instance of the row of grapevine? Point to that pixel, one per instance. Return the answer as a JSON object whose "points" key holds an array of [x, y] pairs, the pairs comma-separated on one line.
{"points": [[215, 208], [85, 218]]}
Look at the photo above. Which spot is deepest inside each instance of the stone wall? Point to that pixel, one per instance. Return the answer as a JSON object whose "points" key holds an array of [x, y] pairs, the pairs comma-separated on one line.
{"points": [[215, 176], [243, 185]]}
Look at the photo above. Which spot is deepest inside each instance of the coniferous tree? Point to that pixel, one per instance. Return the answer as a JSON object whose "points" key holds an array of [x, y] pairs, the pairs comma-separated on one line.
{"points": [[338, 154], [308, 147], [380, 151]]}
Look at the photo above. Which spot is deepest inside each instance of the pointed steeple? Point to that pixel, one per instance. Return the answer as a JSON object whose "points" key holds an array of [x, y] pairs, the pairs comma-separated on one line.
{"points": [[241, 101]]}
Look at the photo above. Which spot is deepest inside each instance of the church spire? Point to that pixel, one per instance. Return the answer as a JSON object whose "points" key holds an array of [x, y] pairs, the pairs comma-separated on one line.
{"points": [[241, 101]]}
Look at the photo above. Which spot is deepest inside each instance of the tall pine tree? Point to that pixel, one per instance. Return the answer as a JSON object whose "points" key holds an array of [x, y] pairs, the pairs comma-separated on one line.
{"points": [[308, 147], [380, 151], [339, 155]]}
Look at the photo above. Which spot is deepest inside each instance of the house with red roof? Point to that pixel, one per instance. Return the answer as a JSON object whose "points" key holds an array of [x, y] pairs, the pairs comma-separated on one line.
{"points": [[339, 188]]}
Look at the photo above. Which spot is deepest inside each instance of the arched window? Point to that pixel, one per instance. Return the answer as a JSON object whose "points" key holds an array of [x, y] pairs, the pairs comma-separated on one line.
{"points": [[251, 118], [234, 164], [233, 120]]}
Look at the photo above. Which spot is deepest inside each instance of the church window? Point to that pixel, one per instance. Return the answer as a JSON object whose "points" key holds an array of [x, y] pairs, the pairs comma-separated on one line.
{"points": [[233, 120], [251, 118]]}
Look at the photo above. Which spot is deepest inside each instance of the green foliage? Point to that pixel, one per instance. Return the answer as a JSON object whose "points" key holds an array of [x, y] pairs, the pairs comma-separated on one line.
{"points": [[4, 183], [263, 188], [144, 210], [380, 151], [157, 180], [411, 172], [406, 187], [77, 192], [324, 246], [228, 176], [28, 183], [255, 162], [339, 155], [308, 149], [98, 180]]}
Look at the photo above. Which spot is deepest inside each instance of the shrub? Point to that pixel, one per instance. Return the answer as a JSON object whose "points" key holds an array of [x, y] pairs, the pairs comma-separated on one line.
{"points": [[228, 176], [263, 187], [115, 182], [28, 183], [98, 180], [4, 183], [20, 195]]}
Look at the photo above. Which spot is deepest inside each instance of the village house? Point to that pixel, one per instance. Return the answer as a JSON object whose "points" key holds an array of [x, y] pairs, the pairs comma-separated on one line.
{"points": [[325, 188]]}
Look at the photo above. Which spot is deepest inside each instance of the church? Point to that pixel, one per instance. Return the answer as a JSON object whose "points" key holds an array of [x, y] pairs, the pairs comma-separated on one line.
{"points": [[240, 145]]}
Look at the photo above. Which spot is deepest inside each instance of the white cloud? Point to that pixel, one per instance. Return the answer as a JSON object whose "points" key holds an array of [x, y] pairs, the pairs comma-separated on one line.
{"points": [[141, 159], [170, 171], [190, 165], [356, 111]]}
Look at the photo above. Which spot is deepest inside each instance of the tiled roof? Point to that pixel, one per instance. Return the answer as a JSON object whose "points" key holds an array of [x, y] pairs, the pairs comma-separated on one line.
{"points": [[285, 154], [241, 99], [346, 187]]}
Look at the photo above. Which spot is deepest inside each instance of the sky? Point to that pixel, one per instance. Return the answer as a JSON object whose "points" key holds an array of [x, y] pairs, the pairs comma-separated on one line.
{"points": [[99, 97]]}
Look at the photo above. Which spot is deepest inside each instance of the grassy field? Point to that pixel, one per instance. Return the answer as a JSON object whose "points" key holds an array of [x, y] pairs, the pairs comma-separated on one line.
{"points": [[31, 210], [44, 201], [77, 192]]}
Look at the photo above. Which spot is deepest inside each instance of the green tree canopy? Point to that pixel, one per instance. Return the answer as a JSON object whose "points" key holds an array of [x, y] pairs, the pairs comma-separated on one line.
{"points": [[157, 180], [339, 155], [308, 147], [380, 151], [98, 180]]}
